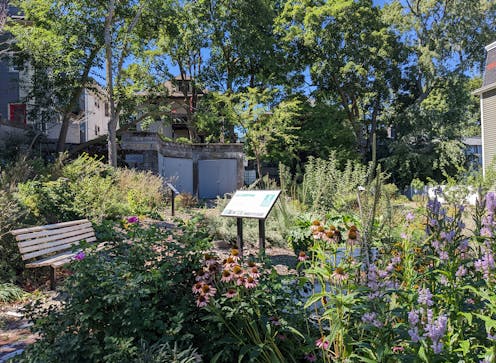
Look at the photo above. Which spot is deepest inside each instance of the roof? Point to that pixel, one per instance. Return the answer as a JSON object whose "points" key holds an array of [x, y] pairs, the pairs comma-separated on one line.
{"points": [[489, 79], [474, 140]]}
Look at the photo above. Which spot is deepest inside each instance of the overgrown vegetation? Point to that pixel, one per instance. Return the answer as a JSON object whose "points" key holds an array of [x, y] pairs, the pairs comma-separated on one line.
{"points": [[35, 193]]}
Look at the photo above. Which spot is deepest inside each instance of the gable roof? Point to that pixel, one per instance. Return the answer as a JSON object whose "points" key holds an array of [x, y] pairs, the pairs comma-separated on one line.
{"points": [[489, 79]]}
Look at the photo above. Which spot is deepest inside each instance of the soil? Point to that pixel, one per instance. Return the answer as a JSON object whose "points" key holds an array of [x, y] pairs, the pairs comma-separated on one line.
{"points": [[15, 333]]}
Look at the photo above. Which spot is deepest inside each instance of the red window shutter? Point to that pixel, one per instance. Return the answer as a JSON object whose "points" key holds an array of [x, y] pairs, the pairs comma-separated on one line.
{"points": [[17, 112]]}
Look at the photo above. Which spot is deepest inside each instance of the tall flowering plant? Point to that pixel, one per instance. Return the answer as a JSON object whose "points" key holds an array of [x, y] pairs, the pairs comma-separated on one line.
{"points": [[253, 311]]}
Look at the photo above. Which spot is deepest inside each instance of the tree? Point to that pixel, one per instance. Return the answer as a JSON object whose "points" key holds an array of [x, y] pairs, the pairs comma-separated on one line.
{"points": [[353, 58], [182, 38], [433, 109], [62, 44], [265, 126]]}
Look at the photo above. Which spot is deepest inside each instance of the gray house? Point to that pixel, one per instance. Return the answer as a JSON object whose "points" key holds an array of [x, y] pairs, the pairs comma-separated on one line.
{"points": [[487, 95]]}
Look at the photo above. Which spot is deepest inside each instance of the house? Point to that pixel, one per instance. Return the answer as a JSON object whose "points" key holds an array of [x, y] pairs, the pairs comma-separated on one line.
{"points": [[487, 95], [89, 119], [181, 101], [473, 151]]}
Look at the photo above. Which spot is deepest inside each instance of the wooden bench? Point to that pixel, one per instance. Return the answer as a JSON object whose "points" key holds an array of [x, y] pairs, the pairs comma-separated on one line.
{"points": [[52, 244]]}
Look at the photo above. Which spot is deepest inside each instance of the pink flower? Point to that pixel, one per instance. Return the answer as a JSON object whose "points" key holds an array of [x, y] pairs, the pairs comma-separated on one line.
{"points": [[197, 288], [226, 276], [80, 256], [322, 343], [208, 290], [230, 293], [202, 276], [132, 220], [302, 256], [339, 275], [254, 272], [250, 282], [202, 301], [240, 281], [235, 254], [398, 348]]}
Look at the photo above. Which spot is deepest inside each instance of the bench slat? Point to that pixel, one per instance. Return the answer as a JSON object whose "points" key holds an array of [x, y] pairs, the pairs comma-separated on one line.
{"points": [[51, 260], [51, 232], [47, 227], [66, 246], [57, 242], [54, 237]]}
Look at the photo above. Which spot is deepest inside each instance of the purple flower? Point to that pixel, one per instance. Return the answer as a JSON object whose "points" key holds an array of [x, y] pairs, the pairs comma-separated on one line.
{"points": [[435, 330], [433, 222], [414, 334], [462, 271], [80, 256], [371, 318], [490, 203], [132, 220], [310, 357], [491, 337], [425, 297], [413, 317], [410, 217], [485, 264], [443, 280], [443, 255]]}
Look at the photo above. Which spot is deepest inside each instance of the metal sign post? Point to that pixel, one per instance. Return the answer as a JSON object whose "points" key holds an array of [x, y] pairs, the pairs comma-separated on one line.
{"points": [[251, 204], [239, 237], [174, 192]]}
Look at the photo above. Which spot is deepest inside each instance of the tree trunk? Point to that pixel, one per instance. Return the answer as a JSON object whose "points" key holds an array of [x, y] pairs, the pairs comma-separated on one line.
{"points": [[112, 124]]}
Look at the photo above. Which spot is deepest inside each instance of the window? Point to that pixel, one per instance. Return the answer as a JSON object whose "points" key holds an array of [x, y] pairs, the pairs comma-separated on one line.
{"points": [[17, 113], [107, 110]]}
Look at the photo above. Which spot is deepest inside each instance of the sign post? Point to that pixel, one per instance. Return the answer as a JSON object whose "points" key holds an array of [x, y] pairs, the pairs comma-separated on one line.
{"points": [[251, 204], [174, 192]]}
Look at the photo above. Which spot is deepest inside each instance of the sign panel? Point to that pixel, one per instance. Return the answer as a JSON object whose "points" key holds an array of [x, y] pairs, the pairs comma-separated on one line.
{"points": [[251, 204], [171, 187]]}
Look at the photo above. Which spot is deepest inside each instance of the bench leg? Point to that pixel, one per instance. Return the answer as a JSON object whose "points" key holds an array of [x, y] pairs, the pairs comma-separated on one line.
{"points": [[53, 277]]}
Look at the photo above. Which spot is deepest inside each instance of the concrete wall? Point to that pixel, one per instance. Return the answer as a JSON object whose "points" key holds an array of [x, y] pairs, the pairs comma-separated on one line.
{"points": [[8, 132], [142, 152]]}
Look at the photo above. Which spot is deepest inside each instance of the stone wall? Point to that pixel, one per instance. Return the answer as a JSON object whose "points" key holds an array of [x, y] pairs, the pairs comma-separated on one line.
{"points": [[142, 150]]}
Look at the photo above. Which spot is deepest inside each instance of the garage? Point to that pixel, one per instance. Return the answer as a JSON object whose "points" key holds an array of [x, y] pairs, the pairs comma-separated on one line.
{"points": [[178, 171], [216, 177]]}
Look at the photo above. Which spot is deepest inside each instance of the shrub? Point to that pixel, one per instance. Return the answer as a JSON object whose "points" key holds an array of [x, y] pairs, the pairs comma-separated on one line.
{"points": [[88, 188], [137, 292]]}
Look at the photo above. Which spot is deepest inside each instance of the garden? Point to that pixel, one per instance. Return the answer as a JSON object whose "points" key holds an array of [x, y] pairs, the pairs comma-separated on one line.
{"points": [[372, 277]]}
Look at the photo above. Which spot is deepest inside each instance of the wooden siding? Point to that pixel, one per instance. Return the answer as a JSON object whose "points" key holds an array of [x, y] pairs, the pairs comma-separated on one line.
{"points": [[488, 127]]}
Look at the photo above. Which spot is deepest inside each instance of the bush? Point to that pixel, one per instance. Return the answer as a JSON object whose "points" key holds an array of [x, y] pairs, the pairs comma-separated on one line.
{"points": [[88, 188], [136, 293]]}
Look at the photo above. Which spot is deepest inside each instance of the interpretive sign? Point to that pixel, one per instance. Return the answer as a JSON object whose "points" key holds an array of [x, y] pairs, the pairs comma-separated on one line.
{"points": [[251, 204]]}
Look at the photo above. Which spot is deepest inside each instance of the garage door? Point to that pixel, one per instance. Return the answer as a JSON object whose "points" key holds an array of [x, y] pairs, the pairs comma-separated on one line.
{"points": [[178, 171], [216, 177]]}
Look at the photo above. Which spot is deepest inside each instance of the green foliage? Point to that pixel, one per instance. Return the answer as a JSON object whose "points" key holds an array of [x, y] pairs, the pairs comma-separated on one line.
{"points": [[87, 188], [251, 312], [10, 293], [325, 187], [136, 292]]}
